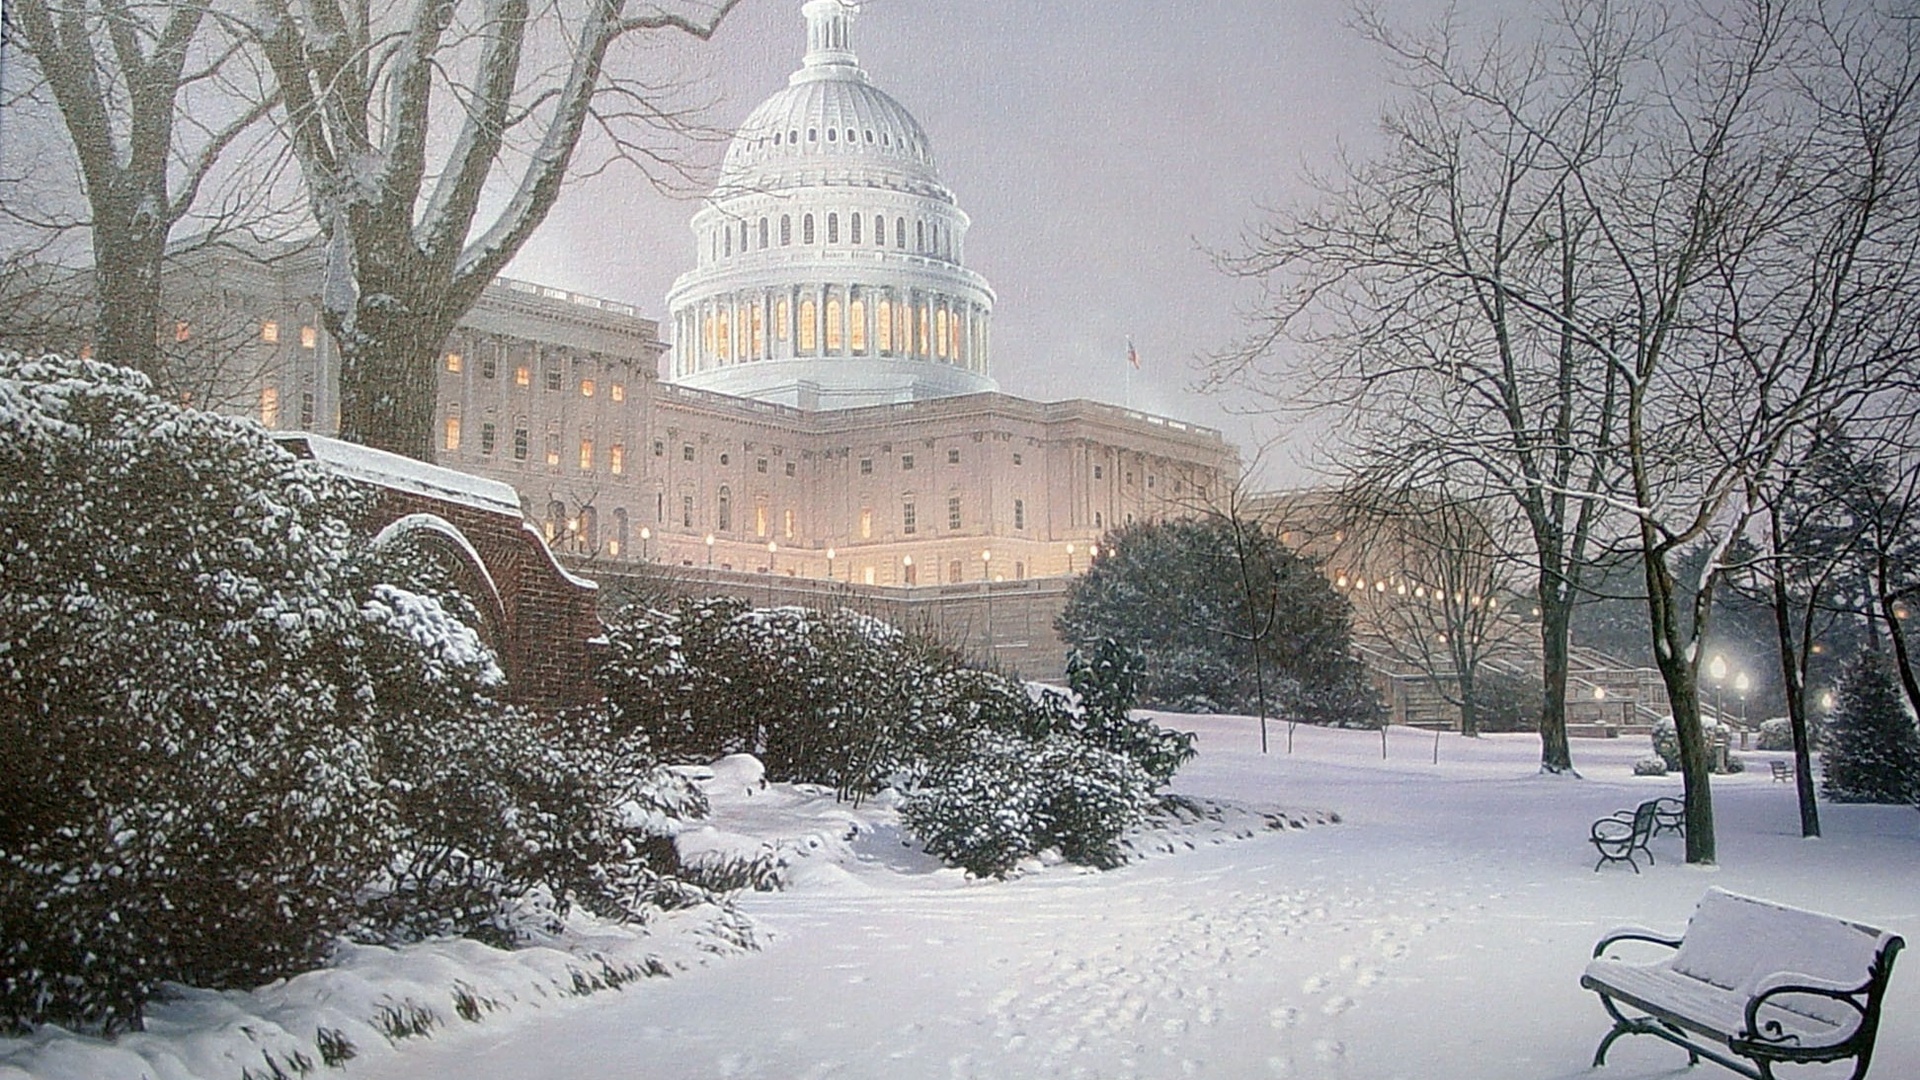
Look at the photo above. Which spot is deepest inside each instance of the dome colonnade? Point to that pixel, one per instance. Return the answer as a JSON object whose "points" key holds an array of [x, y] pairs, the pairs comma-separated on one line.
{"points": [[830, 270]]}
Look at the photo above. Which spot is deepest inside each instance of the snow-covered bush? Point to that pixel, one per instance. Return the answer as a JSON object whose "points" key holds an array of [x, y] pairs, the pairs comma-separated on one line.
{"points": [[1666, 743], [1872, 750], [1651, 765], [1107, 682], [185, 796]]}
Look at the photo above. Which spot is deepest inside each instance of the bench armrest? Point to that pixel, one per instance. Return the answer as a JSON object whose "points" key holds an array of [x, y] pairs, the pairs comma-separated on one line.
{"points": [[1633, 933], [1794, 984]]}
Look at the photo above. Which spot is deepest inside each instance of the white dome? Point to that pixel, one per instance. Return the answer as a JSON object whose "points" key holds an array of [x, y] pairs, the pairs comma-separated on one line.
{"points": [[830, 255]]}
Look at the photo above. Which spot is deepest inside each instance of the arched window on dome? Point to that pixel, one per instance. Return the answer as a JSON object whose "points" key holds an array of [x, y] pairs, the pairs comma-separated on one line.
{"points": [[853, 228], [793, 137], [834, 336], [782, 318], [786, 230], [879, 230], [833, 134], [883, 328], [940, 333], [813, 134], [857, 324], [743, 238], [833, 228], [713, 243], [809, 340], [869, 136], [806, 229], [900, 233], [920, 237], [729, 243], [763, 234]]}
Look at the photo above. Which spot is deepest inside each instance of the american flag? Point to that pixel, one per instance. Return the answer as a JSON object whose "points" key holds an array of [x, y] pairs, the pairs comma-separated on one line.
{"points": [[1132, 356]]}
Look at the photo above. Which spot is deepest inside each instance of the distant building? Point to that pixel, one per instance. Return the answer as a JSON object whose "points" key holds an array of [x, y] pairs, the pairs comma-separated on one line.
{"points": [[826, 407]]}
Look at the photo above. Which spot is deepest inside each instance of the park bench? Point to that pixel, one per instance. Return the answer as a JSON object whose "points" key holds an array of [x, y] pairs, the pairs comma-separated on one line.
{"points": [[1782, 771], [1767, 982], [1618, 835]]}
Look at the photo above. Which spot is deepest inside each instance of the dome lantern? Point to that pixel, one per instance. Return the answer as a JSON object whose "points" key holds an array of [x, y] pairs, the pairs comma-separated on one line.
{"points": [[830, 35]]}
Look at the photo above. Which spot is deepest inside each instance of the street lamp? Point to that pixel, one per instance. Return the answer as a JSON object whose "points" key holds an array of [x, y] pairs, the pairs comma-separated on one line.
{"points": [[772, 548], [1742, 684], [906, 561], [646, 538], [1069, 558], [1093, 552], [829, 564], [986, 590], [1717, 669], [709, 551]]}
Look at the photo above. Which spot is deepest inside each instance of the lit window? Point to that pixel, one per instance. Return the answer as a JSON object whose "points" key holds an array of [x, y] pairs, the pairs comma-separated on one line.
{"points": [[940, 333], [883, 329], [758, 326], [586, 387], [866, 574], [182, 332], [553, 447], [866, 523], [808, 332], [617, 459], [722, 345], [270, 406], [781, 310], [953, 337], [953, 457], [586, 455], [953, 512], [926, 316], [454, 362], [834, 337], [1019, 513], [857, 324], [760, 519], [270, 332], [866, 466], [488, 436], [911, 576], [523, 376], [786, 522], [309, 337], [906, 519], [451, 440], [619, 391]]}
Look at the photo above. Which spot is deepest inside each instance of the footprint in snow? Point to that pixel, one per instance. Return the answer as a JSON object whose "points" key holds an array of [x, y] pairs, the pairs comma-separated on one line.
{"points": [[1314, 984], [1394, 950], [1329, 1049], [1280, 1066], [1283, 1016], [1337, 1004], [1367, 977]]}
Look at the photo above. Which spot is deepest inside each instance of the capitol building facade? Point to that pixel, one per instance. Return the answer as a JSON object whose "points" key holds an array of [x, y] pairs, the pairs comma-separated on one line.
{"points": [[824, 407]]}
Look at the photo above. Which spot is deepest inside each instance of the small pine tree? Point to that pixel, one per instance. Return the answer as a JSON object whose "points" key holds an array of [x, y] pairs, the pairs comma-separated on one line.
{"points": [[1872, 749]]}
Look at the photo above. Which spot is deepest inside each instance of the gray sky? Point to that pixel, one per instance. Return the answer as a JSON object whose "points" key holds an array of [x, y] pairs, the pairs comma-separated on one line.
{"points": [[1100, 146]]}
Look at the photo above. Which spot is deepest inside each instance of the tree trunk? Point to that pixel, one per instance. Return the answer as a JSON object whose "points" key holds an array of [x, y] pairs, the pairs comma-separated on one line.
{"points": [[1469, 708], [1674, 657], [390, 341], [1896, 637], [1556, 619], [1795, 679], [126, 274]]}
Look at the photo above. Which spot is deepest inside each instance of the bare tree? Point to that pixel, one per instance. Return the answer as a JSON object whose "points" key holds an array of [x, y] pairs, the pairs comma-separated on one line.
{"points": [[409, 122], [154, 97]]}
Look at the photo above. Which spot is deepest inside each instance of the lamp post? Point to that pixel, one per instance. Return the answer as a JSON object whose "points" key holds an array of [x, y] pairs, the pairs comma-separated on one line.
{"points": [[1069, 559], [906, 573], [773, 548], [829, 564], [646, 546], [1717, 669], [1741, 684], [709, 551], [986, 590]]}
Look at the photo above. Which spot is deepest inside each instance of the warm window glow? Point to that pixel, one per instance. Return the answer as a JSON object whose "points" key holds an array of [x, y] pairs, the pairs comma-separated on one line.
{"points": [[940, 333], [270, 406], [309, 337], [619, 391], [760, 519], [883, 333], [452, 439], [523, 376], [781, 318], [953, 338], [182, 332], [617, 459], [722, 348], [586, 455], [586, 387], [834, 337], [857, 324], [786, 523], [270, 332], [866, 523], [926, 316], [808, 332], [454, 361], [758, 320]]}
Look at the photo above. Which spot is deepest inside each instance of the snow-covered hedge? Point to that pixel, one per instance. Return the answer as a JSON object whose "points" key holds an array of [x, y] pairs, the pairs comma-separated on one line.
{"points": [[1666, 743], [235, 732]]}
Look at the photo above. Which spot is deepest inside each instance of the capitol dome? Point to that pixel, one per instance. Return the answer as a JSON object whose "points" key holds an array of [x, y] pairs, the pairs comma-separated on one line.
{"points": [[830, 256]]}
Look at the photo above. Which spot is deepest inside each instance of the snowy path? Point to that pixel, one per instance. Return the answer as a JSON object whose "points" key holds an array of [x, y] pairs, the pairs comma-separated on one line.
{"points": [[1438, 933]]}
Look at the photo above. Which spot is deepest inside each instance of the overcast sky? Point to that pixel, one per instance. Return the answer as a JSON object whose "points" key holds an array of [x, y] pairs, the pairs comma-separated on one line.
{"points": [[1100, 147]]}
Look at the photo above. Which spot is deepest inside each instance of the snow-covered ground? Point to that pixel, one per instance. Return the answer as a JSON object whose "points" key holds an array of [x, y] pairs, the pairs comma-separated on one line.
{"points": [[1436, 932]]}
